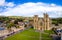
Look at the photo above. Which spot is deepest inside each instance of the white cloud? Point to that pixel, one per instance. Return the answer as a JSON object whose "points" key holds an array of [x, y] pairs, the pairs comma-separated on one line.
{"points": [[53, 4], [30, 9], [10, 4], [2, 2]]}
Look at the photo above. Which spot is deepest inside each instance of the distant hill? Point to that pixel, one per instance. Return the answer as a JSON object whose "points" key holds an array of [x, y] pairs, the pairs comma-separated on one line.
{"points": [[15, 17]]}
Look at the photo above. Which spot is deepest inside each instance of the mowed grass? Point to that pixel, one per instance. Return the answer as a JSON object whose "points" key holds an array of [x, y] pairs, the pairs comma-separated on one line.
{"points": [[30, 34]]}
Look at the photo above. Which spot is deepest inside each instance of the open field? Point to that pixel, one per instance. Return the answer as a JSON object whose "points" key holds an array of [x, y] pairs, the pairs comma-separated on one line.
{"points": [[31, 34]]}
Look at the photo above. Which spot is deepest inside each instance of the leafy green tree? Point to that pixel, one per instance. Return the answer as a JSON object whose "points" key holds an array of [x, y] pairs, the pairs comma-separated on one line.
{"points": [[9, 25], [17, 26]]}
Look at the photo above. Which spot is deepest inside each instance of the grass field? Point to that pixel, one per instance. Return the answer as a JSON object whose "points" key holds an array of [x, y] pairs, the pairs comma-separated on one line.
{"points": [[30, 34]]}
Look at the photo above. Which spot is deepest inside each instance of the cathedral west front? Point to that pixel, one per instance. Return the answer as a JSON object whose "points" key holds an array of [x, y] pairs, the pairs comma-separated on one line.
{"points": [[42, 23]]}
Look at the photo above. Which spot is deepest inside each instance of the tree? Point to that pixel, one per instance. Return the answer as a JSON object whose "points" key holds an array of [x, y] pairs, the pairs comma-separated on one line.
{"points": [[17, 26], [9, 25], [16, 22]]}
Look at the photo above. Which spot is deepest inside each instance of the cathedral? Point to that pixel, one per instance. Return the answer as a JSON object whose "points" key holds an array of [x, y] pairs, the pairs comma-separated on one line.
{"points": [[42, 23]]}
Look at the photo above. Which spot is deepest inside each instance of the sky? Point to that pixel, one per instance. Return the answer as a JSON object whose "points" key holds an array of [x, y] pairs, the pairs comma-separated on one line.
{"points": [[30, 8]]}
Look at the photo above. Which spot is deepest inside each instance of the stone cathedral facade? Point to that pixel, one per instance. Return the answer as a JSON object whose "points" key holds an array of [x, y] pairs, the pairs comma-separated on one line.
{"points": [[42, 23]]}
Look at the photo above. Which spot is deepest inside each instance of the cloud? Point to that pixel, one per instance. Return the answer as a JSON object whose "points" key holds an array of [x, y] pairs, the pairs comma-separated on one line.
{"points": [[2, 2], [5, 6], [30, 9], [10, 4]]}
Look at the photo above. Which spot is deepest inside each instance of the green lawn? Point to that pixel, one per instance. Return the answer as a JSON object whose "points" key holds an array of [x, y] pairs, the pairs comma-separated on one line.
{"points": [[30, 34]]}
